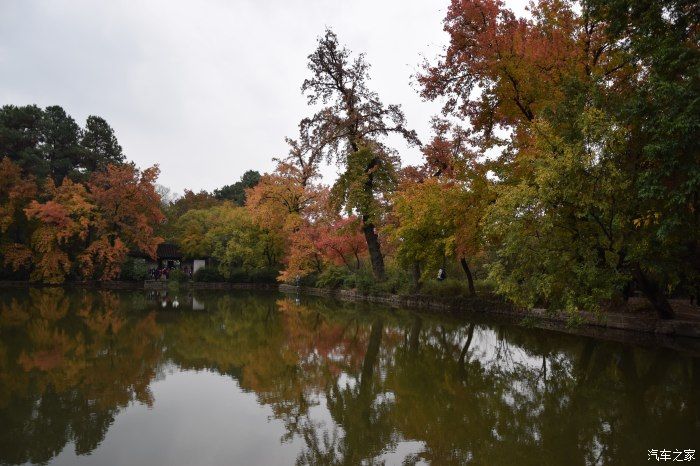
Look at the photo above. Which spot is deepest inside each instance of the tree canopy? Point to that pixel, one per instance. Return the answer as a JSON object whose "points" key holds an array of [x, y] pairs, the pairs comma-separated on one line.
{"points": [[562, 172]]}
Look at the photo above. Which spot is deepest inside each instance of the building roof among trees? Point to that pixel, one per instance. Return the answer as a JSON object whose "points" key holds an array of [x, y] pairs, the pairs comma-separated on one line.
{"points": [[168, 251]]}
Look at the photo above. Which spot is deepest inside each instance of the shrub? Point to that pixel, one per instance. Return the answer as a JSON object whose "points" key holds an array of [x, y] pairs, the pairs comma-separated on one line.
{"points": [[263, 275], [238, 275], [362, 281], [485, 285], [308, 280], [134, 269], [398, 281], [208, 274], [332, 277], [259, 275], [177, 276], [448, 287]]}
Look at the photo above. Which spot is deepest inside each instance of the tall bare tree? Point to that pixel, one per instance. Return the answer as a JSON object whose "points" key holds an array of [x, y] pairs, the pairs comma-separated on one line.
{"points": [[348, 129]]}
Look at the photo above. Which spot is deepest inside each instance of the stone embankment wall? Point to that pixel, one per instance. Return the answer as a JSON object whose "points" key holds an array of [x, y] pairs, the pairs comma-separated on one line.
{"points": [[585, 323]]}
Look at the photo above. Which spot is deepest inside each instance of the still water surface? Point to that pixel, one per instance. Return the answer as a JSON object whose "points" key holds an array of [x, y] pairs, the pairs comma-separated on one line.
{"points": [[131, 378]]}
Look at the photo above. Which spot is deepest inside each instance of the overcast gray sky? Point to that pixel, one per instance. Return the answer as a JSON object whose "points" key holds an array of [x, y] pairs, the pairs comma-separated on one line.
{"points": [[208, 89]]}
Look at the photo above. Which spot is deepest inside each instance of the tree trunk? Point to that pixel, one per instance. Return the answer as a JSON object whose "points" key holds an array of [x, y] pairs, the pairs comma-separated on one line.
{"points": [[653, 293], [375, 252], [626, 292], [373, 246], [470, 279], [415, 273]]}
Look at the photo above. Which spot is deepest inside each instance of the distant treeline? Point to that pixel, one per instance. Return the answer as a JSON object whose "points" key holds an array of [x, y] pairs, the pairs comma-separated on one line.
{"points": [[71, 206]]}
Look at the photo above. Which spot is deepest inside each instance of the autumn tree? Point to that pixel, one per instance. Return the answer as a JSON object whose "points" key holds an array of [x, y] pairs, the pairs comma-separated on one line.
{"points": [[435, 220], [286, 201], [439, 209], [92, 208], [303, 159], [551, 92], [351, 119], [239, 242], [191, 229], [290, 202], [192, 200], [330, 239], [507, 73], [129, 209], [64, 222], [281, 197], [340, 241], [231, 235], [364, 190], [88, 230], [303, 256], [16, 192]]}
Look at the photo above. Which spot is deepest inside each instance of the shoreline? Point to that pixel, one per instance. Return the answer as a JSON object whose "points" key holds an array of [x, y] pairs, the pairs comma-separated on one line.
{"points": [[640, 328], [610, 320]]}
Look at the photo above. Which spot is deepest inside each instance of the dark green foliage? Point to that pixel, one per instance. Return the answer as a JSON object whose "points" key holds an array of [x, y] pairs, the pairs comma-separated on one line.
{"points": [[134, 269], [21, 136], [238, 275], [50, 143], [264, 275], [369, 174], [397, 280], [662, 112], [100, 145], [61, 135], [362, 281], [448, 287], [257, 275], [177, 276], [310, 280], [208, 274], [332, 277], [236, 192]]}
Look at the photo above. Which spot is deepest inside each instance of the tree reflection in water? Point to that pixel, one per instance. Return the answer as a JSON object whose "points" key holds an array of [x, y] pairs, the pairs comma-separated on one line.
{"points": [[354, 383], [67, 366]]}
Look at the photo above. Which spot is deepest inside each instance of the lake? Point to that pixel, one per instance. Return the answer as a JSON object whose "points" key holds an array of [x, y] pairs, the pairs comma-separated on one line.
{"points": [[233, 377]]}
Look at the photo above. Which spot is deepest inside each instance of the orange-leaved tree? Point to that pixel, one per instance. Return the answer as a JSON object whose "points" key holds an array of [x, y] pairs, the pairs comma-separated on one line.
{"points": [[64, 222], [341, 242], [16, 191], [129, 209], [287, 201]]}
